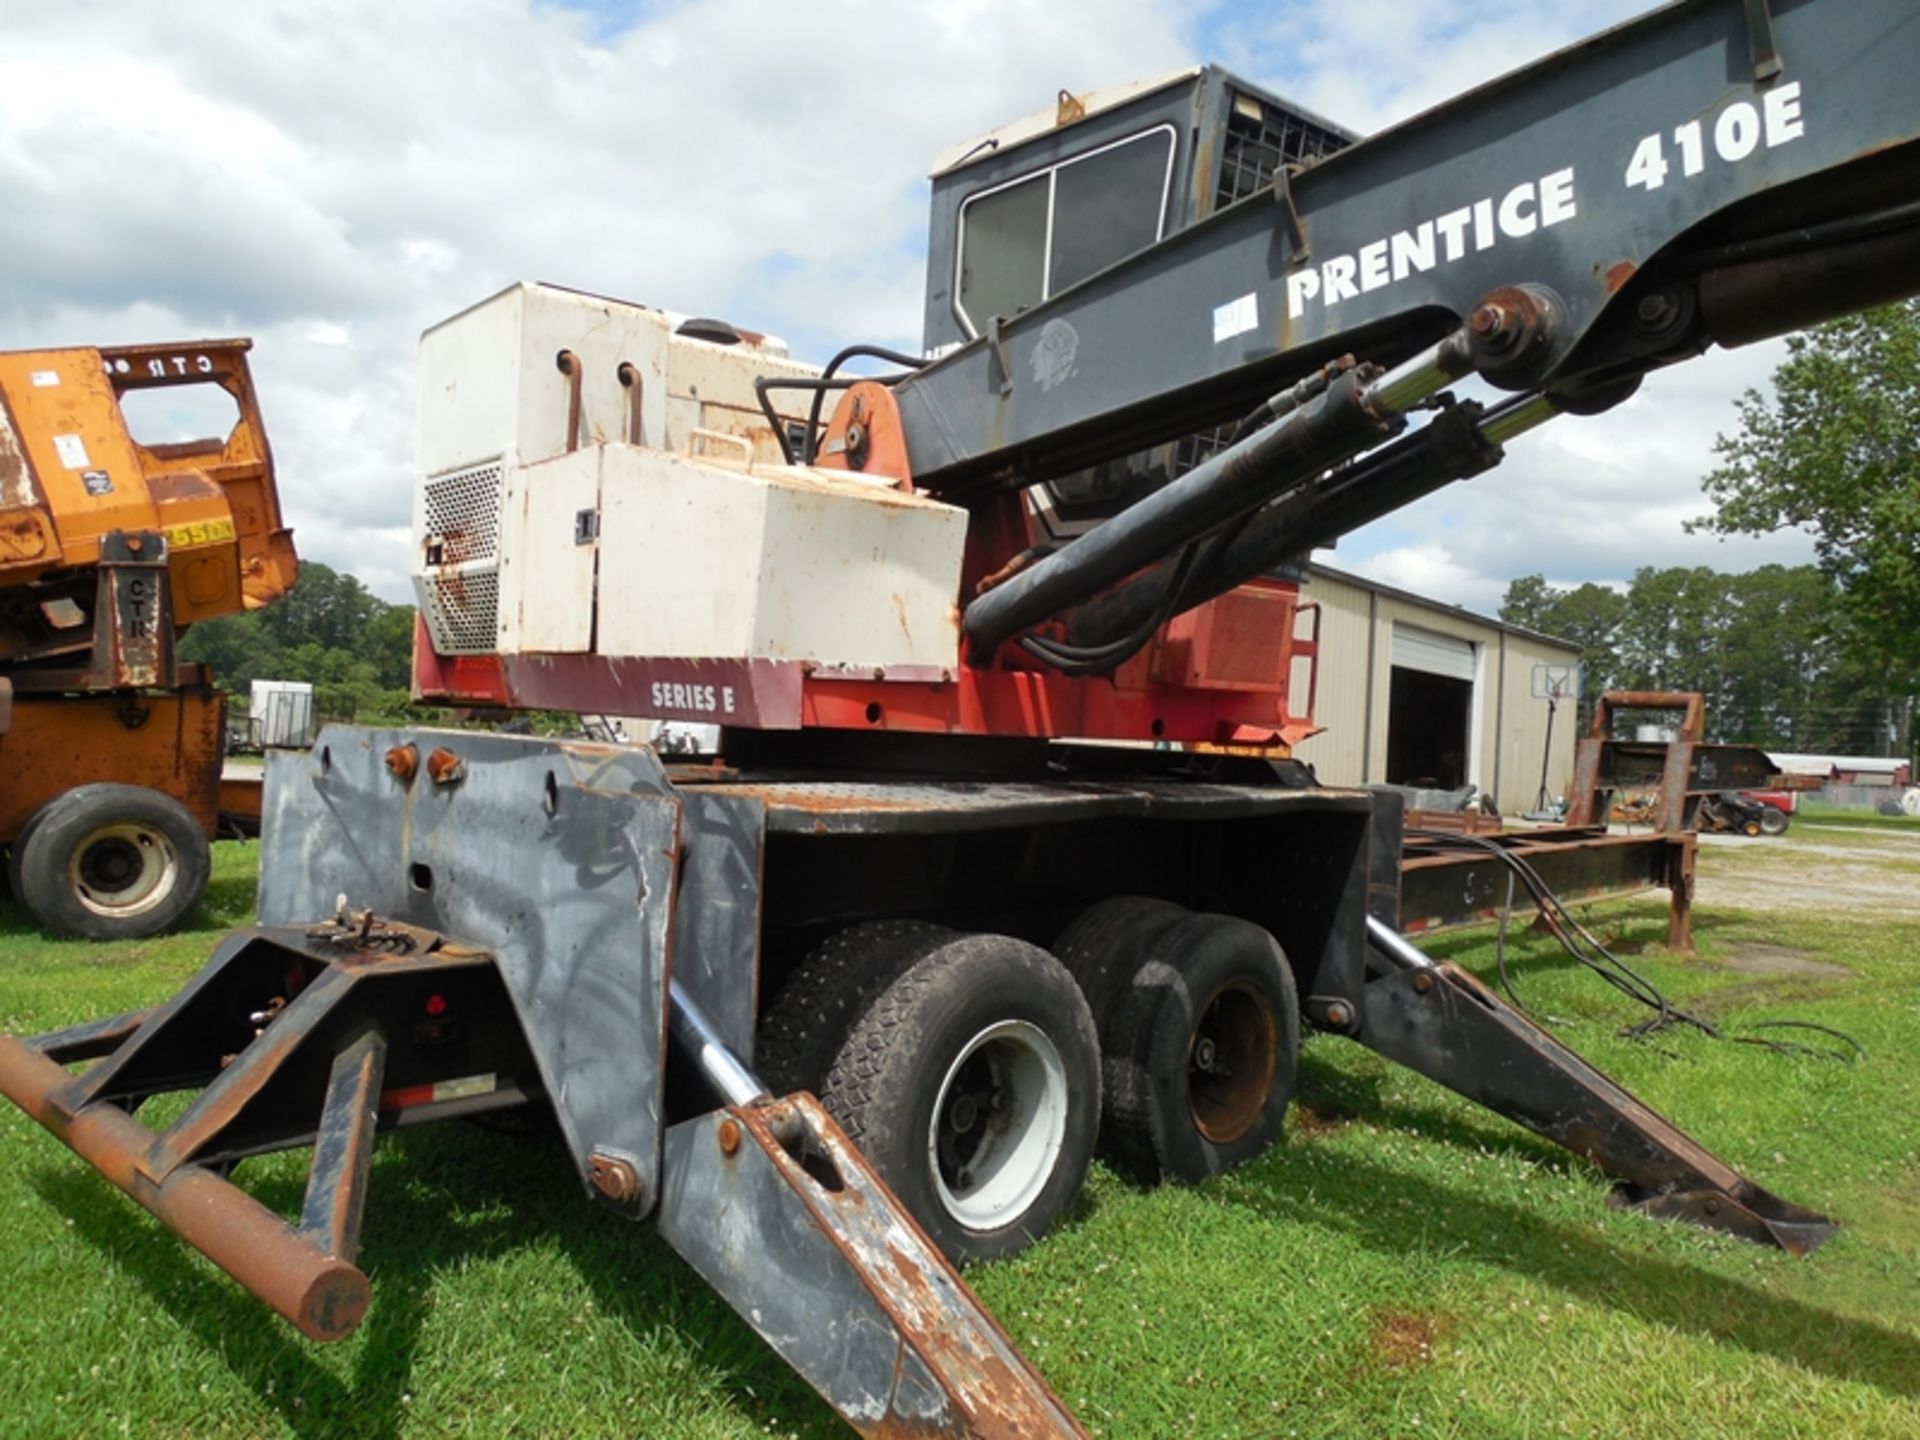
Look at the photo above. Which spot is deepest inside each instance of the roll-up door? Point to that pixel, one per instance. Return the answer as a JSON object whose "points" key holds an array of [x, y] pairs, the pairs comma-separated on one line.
{"points": [[1433, 653]]}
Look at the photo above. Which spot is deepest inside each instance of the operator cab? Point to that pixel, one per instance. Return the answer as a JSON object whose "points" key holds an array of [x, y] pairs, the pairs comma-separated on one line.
{"points": [[1039, 205]]}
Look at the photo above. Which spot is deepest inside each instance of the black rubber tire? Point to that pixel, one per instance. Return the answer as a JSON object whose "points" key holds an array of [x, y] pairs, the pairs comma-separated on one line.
{"points": [[802, 1030], [1209, 977], [1103, 947], [887, 1086], [1773, 820], [17, 851], [66, 839]]}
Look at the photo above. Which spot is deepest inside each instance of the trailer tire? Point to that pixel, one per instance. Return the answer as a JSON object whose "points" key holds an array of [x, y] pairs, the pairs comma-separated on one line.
{"points": [[972, 1085], [1199, 1058], [1102, 947], [801, 1032], [112, 862], [1773, 820]]}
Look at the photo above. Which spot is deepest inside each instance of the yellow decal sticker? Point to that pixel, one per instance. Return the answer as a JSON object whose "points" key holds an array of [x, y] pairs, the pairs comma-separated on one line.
{"points": [[200, 532]]}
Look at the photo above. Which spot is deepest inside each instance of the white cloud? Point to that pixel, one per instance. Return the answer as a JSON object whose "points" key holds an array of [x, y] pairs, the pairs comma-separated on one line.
{"points": [[331, 180]]}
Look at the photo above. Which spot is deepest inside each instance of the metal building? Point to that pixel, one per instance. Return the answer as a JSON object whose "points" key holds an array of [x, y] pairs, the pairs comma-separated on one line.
{"points": [[1415, 692]]}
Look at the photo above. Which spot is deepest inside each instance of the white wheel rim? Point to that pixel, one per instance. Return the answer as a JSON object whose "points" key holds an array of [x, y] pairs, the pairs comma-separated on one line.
{"points": [[124, 870], [999, 1123]]}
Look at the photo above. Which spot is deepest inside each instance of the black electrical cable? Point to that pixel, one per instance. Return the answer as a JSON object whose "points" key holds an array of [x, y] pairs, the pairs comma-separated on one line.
{"points": [[764, 383], [1500, 950], [1586, 948], [853, 352]]}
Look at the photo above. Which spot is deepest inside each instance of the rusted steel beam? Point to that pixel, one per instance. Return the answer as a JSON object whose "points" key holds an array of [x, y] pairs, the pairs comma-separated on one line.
{"points": [[322, 1295], [251, 1071], [91, 1040], [1691, 704], [337, 1185], [1447, 880], [233, 1032]]}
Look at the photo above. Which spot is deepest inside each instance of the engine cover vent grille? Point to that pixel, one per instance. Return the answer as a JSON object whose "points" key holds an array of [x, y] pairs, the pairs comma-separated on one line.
{"points": [[463, 514], [459, 579]]}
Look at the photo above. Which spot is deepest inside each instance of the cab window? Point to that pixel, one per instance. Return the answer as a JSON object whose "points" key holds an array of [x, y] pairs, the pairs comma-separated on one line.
{"points": [[1031, 238]]}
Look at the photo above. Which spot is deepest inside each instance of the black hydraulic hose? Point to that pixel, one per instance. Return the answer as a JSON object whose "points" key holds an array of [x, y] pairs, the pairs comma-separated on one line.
{"points": [[774, 423], [1806, 237], [762, 384], [852, 352], [1339, 423], [1585, 947], [820, 385], [1451, 448], [1099, 659], [1276, 407]]}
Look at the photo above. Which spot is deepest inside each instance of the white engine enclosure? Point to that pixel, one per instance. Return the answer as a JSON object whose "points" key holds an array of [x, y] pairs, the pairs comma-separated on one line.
{"points": [[696, 543], [698, 558]]}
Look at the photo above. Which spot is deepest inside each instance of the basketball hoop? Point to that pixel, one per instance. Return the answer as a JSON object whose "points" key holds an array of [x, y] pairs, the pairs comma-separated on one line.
{"points": [[1554, 683]]}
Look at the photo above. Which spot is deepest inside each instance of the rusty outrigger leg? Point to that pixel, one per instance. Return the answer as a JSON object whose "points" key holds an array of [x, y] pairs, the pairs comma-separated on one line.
{"points": [[779, 1212], [1441, 1021], [321, 1293]]}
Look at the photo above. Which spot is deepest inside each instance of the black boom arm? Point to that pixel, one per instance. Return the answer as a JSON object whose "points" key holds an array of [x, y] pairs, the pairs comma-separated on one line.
{"points": [[1719, 170]]}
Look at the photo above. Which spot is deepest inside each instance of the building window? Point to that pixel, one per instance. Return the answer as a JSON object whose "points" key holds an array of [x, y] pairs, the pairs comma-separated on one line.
{"points": [[1027, 240]]}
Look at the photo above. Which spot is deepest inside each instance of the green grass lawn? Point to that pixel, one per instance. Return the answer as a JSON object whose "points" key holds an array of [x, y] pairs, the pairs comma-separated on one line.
{"points": [[1403, 1265], [1833, 817]]}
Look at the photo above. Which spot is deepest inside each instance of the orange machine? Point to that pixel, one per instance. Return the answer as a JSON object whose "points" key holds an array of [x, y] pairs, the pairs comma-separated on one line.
{"points": [[110, 748]]}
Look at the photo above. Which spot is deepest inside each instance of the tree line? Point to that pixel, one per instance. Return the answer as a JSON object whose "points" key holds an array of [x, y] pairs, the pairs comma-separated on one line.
{"points": [[329, 630], [1823, 657], [1774, 652]]}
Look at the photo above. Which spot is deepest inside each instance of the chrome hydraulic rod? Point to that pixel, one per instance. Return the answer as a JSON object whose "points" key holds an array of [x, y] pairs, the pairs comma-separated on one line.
{"points": [[1395, 946], [696, 1033]]}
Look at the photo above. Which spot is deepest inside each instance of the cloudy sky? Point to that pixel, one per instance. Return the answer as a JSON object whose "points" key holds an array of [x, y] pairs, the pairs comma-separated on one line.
{"points": [[332, 176]]}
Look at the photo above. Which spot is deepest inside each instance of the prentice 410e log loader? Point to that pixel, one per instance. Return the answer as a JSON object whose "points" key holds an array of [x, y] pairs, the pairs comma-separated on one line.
{"points": [[914, 882]]}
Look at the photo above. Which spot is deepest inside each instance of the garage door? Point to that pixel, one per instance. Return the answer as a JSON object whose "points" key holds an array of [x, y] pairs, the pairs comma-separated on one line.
{"points": [[1433, 653]]}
